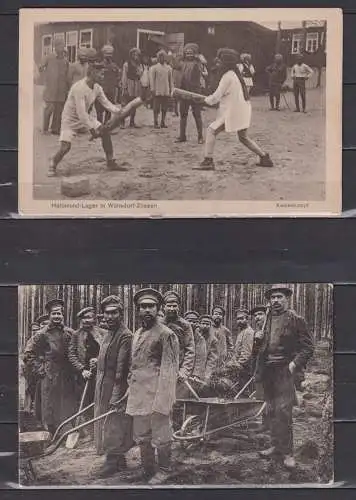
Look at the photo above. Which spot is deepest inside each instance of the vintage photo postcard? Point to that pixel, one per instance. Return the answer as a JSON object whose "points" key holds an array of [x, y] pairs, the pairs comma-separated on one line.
{"points": [[180, 112], [156, 385]]}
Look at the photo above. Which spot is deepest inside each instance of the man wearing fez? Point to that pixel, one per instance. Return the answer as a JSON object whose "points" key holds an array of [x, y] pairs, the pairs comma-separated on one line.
{"points": [[287, 346], [46, 355], [223, 335], [113, 435], [184, 332], [152, 385], [83, 351]]}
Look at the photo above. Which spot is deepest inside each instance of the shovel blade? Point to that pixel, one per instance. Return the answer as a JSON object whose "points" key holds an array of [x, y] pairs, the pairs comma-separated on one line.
{"points": [[72, 440]]}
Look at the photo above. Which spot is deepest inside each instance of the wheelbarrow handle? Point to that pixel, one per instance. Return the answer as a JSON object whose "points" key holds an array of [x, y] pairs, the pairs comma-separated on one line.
{"points": [[68, 420], [52, 448], [244, 387], [192, 390]]}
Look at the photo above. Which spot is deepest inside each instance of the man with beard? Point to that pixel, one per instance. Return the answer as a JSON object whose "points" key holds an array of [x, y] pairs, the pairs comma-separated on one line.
{"points": [[110, 82], [132, 72], [83, 351], [207, 363], [152, 385], [239, 367], [113, 435], [184, 332], [223, 335], [287, 347], [200, 351], [46, 356], [190, 70]]}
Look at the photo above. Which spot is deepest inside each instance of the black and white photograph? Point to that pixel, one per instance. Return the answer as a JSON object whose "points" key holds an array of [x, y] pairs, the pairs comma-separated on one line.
{"points": [[174, 385], [139, 112]]}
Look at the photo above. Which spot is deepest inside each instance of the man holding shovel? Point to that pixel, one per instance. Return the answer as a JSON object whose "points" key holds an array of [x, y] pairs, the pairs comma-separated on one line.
{"points": [[83, 351]]}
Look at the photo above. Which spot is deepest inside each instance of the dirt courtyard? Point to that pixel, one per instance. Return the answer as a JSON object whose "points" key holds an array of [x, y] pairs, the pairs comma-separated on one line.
{"points": [[159, 169], [227, 458]]}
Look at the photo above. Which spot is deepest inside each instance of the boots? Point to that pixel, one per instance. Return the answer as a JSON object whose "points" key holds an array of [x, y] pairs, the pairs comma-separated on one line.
{"points": [[148, 459], [112, 465], [164, 463]]}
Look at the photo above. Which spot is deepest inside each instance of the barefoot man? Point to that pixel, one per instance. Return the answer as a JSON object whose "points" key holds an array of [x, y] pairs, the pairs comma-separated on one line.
{"points": [[79, 115]]}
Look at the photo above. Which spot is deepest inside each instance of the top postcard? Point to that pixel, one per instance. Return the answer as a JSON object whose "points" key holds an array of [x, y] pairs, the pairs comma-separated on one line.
{"points": [[180, 112]]}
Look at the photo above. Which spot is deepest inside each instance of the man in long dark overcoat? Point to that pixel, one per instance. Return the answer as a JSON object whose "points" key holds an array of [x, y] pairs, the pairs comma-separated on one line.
{"points": [[113, 435]]}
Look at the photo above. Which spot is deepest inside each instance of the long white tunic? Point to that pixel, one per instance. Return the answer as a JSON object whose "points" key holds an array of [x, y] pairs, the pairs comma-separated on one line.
{"points": [[79, 110], [234, 112]]}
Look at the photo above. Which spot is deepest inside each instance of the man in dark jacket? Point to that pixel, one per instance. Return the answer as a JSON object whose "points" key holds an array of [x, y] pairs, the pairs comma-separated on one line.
{"points": [[184, 332], [46, 356], [190, 75], [285, 350], [277, 72], [83, 350], [113, 434]]}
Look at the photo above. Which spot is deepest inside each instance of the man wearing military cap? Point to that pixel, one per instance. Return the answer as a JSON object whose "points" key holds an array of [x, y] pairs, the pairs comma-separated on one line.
{"points": [[46, 355], [184, 332], [113, 435], [83, 351], [152, 385], [43, 320], [286, 349], [206, 363], [223, 335]]}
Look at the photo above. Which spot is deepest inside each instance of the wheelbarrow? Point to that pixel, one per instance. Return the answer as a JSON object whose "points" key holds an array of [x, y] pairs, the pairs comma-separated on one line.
{"points": [[203, 417]]}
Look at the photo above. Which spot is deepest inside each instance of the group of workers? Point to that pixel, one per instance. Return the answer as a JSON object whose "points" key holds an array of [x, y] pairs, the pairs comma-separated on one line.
{"points": [[142, 374]]}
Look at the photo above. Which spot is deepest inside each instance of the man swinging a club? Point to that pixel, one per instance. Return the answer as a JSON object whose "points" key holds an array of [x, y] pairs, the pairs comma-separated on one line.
{"points": [[79, 115]]}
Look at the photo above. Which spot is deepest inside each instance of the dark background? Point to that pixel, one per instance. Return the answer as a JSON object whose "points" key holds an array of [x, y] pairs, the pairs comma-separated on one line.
{"points": [[295, 250]]}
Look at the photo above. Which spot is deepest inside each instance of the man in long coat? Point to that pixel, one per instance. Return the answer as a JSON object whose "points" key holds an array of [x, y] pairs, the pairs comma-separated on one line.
{"points": [[223, 335], [184, 332], [286, 349], [55, 68], [152, 385], [113, 434], [83, 350], [46, 355]]}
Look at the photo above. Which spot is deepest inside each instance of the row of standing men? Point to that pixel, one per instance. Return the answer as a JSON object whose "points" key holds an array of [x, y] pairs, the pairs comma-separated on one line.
{"points": [[153, 364]]}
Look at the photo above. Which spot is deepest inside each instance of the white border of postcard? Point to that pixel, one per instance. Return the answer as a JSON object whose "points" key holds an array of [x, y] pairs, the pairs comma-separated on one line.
{"points": [[185, 208]]}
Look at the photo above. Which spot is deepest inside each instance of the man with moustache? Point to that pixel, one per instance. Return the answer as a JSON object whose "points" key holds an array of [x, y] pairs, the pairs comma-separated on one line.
{"points": [[200, 352], [152, 385], [184, 332], [207, 364], [113, 435], [46, 356], [287, 346], [223, 335], [83, 351]]}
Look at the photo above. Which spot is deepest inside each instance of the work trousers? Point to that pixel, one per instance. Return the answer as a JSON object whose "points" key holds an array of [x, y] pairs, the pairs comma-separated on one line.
{"points": [[53, 110], [299, 90], [155, 428], [279, 392], [275, 95], [185, 105]]}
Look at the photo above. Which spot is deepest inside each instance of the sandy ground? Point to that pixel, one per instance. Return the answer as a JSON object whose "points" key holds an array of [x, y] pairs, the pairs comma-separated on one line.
{"points": [[159, 169], [228, 458]]}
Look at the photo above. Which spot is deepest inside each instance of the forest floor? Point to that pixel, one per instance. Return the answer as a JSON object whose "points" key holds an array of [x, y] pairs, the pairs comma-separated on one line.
{"points": [[159, 169], [228, 458]]}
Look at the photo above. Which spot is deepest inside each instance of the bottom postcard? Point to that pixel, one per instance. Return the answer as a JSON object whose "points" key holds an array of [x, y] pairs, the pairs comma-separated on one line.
{"points": [[175, 385]]}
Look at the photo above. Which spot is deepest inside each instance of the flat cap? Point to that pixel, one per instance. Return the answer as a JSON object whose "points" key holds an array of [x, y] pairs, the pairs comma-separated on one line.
{"points": [[84, 311], [191, 313], [113, 302], [205, 316], [170, 296], [278, 288], [258, 308], [148, 294], [220, 308], [54, 303], [242, 310], [41, 319]]}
